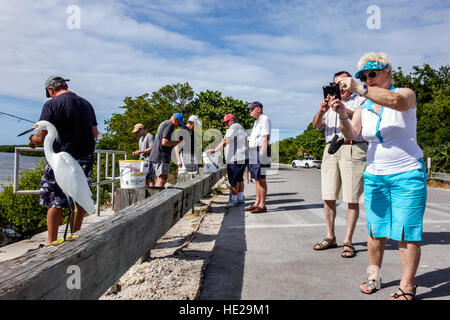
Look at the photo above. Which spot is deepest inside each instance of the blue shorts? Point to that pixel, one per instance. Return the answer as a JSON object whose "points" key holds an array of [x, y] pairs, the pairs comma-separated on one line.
{"points": [[236, 173], [395, 204]]}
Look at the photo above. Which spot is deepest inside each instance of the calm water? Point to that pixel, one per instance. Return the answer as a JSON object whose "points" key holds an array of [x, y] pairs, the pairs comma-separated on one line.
{"points": [[7, 172]]}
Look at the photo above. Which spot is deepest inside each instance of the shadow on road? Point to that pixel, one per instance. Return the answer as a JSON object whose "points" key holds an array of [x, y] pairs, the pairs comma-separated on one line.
{"points": [[223, 277], [437, 281]]}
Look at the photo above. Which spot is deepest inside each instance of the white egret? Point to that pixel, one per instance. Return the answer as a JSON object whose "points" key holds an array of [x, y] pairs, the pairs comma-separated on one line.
{"points": [[69, 175]]}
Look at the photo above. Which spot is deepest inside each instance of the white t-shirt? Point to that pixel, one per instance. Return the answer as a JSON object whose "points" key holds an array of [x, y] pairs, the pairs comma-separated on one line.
{"points": [[145, 142], [261, 128], [331, 118], [392, 140], [236, 149]]}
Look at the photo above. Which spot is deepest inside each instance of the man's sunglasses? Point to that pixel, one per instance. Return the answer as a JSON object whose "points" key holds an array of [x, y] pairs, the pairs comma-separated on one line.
{"points": [[372, 74]]}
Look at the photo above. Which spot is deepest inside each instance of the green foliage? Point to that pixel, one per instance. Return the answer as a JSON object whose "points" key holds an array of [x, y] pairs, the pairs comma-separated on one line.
{"points": [[310, 142], [22, 212], [211, 107], [150, 111], [432, 88]]}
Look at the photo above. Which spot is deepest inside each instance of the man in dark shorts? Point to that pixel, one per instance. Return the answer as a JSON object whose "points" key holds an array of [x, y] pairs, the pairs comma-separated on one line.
{"points": [[162, 147], [76, 123], [236, 157], [259, 155]]}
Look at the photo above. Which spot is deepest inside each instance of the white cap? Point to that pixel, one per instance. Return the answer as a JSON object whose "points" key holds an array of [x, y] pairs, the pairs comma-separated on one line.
{"points": [[195, 120]]}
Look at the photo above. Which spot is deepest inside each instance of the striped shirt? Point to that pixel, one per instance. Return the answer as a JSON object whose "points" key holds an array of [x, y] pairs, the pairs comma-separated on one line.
{"points": [[331, 118]]}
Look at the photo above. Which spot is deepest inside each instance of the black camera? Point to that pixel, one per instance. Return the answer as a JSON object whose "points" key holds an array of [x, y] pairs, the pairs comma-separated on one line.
{"points": [[332, 90]]}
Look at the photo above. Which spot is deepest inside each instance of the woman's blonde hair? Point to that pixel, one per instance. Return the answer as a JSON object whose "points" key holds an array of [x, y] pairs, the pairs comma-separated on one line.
{"points": [[373, 56]]}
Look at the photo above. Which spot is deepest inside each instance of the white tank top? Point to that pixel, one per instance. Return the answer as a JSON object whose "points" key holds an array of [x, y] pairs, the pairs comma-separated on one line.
{"points": [[392, 139]]}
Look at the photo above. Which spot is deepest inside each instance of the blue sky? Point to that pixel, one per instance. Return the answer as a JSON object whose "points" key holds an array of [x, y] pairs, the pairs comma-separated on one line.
{"points": [[278, 52]]}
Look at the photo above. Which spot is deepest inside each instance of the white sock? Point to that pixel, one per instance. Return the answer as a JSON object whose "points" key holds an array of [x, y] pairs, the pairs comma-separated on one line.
{"points": [[233, 198], [240, 196]]}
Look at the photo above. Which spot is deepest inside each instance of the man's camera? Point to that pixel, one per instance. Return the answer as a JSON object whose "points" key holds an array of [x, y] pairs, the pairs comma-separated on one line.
{"points": [[332, 90]]}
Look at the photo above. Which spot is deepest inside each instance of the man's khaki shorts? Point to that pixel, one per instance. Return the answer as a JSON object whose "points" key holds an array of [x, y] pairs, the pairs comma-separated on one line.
{"points": [[344, 170]]}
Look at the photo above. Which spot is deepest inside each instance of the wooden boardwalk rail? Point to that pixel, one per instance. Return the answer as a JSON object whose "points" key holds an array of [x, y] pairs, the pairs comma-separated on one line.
{"points": [[104, 251]]}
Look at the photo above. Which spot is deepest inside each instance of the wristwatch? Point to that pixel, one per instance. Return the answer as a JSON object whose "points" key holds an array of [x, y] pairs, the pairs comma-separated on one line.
{"points": [[363, 92]]}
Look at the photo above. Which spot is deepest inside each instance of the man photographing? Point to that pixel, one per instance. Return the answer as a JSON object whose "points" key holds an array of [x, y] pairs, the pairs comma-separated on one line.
{"points": [[341, 169]]}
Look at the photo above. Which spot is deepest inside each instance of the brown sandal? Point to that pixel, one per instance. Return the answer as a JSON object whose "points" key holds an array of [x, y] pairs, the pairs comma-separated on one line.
{"points": [[252, 207], [351, 250], [331, 243], [259, 210]]}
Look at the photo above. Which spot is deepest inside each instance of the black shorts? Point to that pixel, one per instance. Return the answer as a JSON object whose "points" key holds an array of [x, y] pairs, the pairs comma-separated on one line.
{"points": [[51, 194], [236, 173]]}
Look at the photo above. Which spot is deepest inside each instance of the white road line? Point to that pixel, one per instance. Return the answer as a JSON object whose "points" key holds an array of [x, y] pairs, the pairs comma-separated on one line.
{"points": [[307, 225]]}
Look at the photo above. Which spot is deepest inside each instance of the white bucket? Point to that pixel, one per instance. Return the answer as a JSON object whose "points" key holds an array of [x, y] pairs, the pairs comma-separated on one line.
{"points": [[131, 175], [211, 162]]}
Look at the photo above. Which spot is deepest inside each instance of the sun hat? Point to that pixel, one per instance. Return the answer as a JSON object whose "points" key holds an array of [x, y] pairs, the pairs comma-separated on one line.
{"points": [[371, 65]]}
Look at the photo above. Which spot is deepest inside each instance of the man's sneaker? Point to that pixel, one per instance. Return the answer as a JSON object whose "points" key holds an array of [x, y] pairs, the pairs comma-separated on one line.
{"points": [[241, 202], [231, 204]]}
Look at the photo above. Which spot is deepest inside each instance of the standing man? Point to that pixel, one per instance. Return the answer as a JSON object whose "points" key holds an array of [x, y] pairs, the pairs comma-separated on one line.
{"points": [[341, 170], [162, 147], [186, 150], [259, 155], [145, 148], [75, 120], [236, 156]]}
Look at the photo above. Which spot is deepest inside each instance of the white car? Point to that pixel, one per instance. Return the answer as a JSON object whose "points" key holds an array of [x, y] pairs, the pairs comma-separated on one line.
{"points": [[307, 162]]}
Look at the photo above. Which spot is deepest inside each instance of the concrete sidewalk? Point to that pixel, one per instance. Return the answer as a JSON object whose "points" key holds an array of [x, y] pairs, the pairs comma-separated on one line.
{"points": [[270, 255]]}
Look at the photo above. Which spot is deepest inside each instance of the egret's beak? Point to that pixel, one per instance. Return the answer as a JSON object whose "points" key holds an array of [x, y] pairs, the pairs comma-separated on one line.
{"points": [[32, 129]]}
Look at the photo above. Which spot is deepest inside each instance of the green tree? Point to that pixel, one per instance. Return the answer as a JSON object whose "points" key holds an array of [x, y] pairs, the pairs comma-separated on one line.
{"points": [[432, 88], [150, 111], [211, 107]]}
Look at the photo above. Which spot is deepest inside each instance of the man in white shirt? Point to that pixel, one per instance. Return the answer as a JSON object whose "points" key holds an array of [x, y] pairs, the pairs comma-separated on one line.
{"points": [[259, 155], [342, 170], [145, 148], [236, 155]]}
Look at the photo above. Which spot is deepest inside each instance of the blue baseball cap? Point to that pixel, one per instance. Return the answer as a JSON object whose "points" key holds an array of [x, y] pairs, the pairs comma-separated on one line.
{"points": [[371, 65], [254, 104], [180, 118]]}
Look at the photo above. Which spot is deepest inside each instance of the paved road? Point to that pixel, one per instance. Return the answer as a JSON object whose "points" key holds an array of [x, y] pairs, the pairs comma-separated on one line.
{"points": [[270, 256]]}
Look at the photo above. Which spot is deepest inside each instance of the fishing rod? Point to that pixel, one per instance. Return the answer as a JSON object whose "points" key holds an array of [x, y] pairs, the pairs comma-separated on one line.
{"points": [[11, 115]]}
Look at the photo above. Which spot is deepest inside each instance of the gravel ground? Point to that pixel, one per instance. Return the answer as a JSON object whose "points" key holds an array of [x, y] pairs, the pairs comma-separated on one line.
{"points": [[175, 268]]}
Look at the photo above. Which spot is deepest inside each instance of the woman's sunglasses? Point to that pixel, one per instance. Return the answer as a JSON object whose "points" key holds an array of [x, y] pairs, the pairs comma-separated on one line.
{"points": [[372, 74]]}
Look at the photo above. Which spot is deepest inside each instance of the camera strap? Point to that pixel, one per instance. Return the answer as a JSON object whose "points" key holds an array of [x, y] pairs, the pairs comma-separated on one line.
{"points": [[336, 143]]}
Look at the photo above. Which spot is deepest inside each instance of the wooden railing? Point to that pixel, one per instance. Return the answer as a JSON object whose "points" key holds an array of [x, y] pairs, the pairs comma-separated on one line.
{"points": [[88, 266]]}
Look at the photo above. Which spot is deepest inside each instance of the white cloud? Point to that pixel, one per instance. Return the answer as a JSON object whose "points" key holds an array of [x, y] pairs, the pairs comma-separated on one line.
{"points": [[278, 53]]}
